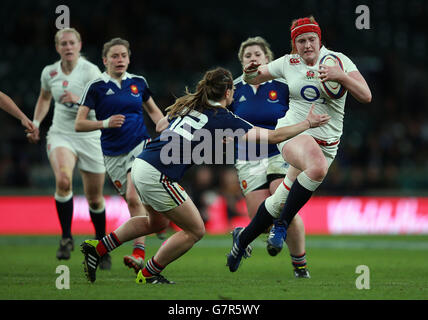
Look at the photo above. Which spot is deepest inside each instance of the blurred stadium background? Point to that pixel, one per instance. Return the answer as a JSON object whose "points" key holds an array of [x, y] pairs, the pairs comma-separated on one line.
{"points": [[384, 149]]}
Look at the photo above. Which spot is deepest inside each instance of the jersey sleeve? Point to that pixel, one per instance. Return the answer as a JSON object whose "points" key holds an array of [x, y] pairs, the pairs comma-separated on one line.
{"points": [[348, 65], [276, 68], [147, 93], [44, 80], [89, 96]]}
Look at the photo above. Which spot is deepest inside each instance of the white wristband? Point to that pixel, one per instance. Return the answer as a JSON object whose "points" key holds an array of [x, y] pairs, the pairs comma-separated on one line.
{"points": [[36, 123], [106, 123]]}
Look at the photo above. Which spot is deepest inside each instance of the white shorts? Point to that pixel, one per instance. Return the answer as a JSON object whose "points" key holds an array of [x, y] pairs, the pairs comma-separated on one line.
{"points": [[254, 174], [119, 166], [155, 189], [87, 150], [329, 151]]}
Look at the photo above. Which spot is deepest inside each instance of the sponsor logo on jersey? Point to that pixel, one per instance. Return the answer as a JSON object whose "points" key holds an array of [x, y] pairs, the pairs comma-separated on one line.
{"points": [[294, 60], [310, 75], [109, 92], [242, 99], [53, 73]]}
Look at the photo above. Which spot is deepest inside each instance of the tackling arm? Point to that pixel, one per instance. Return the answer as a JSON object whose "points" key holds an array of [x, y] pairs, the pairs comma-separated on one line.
{"points": [[255, 73]]}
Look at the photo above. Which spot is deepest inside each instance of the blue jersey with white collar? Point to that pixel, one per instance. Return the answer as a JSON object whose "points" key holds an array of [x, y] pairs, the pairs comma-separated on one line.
{"points": [[261, 107], [195, 138], [107, 97]]}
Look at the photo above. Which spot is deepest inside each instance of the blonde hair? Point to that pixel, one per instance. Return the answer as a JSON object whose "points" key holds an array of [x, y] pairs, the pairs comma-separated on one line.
{"points": [[66, 30], [256, 41], [212, 87]]}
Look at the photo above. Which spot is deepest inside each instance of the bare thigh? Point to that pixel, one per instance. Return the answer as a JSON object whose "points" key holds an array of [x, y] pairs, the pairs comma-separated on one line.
{"points": [[302, 152]]}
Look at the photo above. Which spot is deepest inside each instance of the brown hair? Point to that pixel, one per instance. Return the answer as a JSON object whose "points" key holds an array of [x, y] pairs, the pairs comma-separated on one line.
{"points": [[115, 42], [256, 41], [212, 87]]}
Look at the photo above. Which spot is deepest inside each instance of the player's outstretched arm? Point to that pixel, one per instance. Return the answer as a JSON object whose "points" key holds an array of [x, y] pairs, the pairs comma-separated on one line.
{"points": [[261, 135], [255, 73], [7, 104]]}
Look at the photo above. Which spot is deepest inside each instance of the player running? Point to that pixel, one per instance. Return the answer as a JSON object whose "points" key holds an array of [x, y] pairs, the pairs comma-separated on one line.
{"points": [[310, 153], [191, 123], [118, 99], [261, 168], [64, 81]]}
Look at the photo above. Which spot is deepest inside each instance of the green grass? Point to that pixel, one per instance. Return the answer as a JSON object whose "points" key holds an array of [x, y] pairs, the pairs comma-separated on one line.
{"points": [[398, 270]]}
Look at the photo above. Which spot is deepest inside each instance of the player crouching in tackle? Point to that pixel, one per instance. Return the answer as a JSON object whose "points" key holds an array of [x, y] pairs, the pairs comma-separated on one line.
{"points": [[156, 180]]}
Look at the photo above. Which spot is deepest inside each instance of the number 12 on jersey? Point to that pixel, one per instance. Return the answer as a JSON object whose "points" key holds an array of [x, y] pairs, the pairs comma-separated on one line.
{"points": [[184, 125]]}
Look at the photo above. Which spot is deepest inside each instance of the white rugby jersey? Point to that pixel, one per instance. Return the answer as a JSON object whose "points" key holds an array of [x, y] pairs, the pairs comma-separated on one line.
{"points": [[305, 89], [55, 81]]}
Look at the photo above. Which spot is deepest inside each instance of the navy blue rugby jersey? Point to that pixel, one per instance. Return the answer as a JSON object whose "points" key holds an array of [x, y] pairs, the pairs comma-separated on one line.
{"points": [[195, 138], [262, 108], [108, 98]]}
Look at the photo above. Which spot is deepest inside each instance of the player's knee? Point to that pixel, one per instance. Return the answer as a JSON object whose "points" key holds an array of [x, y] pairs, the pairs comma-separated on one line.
{"points": [[96, 203], [64, 183], [198, 233], [159, 225], [318, 169]]}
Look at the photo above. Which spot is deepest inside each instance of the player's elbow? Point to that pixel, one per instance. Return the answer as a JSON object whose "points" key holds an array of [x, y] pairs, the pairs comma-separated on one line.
{"points": [[368, 98], [78, 126], [365, 98], [162, 124]]}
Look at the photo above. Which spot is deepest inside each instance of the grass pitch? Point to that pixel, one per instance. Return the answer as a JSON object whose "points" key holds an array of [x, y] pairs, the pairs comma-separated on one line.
{"points": [[398, 268]]}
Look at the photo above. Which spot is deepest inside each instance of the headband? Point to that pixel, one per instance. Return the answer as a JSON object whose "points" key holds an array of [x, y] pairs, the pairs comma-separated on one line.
{"points": [[304, 25]]}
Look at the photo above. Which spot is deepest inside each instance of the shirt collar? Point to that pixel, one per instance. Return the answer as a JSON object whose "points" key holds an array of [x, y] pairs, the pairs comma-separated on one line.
{"points": [[106, 77], [214, 103]]}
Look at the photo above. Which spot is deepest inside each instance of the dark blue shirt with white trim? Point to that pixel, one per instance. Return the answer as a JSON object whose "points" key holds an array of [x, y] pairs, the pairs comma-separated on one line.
{"points": [[107, 97], [196, 138], [261, 107]]}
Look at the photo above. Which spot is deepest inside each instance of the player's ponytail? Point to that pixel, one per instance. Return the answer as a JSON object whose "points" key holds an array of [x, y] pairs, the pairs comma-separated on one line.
{"points": [[211, 88]]}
